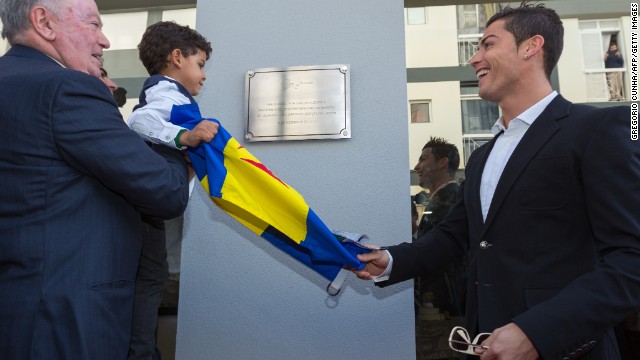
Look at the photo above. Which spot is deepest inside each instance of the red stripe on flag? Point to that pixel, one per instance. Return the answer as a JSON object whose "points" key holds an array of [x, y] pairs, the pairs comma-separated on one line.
{"points": [[264, 168]]}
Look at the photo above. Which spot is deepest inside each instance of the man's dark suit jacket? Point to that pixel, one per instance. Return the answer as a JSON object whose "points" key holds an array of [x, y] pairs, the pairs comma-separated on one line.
{"points": [[74, 180], [559, 252], [439, 205]]}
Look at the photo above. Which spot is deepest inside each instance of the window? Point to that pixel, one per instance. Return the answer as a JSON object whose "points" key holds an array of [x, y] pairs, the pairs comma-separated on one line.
{"points": [[471, 22], [478, 117], [596, 36], [471, 143], [420, 111], [416, 15], [467, 47], [472, 18]]}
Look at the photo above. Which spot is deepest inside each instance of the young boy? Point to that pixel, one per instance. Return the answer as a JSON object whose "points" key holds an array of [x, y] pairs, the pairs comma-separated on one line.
{"points": [[174, 56]]}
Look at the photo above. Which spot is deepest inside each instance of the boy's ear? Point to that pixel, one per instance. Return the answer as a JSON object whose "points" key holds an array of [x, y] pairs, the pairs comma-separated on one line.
{"points": [[176, 58]]}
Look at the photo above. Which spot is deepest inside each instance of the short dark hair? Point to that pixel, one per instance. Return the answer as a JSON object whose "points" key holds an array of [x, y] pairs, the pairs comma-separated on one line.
{"points": [[441, 148], [532, 19], [161, 38]]}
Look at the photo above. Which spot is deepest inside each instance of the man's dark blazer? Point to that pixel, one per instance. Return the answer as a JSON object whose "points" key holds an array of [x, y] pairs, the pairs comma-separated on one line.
{"points": [[439, 205], [74, 180], [559, 252]]}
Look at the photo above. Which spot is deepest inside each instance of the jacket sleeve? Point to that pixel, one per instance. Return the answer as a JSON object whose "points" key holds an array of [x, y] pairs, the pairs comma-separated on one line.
{"points": [[93, 138], [434, 250]]}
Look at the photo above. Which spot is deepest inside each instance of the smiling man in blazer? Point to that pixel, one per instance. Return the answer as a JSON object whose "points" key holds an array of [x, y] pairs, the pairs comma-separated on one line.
{"points": [[74, 181], [549, 213]]}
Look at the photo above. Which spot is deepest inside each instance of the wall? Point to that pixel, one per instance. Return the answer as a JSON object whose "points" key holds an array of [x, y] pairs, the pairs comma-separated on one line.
{"points": [[241, 298], [4, 44], [434, 43], [570, 65], [625, 46]]}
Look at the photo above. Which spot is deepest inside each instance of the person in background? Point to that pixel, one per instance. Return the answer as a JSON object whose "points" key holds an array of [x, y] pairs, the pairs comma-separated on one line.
{"points": [[104, 76], [74, 183], [414, 219], [547, 213], [436, 169], [613, 60], [119, 93]]}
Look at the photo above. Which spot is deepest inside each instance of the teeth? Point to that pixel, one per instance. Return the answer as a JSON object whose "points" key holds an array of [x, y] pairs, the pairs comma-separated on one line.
{"points": [[481, 73]]}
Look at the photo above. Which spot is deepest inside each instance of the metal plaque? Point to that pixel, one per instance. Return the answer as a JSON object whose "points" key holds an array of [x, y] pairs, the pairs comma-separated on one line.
{"points": [[298, 103]]}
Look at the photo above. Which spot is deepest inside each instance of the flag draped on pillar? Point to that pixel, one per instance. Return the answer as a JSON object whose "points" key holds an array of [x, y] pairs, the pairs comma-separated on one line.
{"points": [[246, 189]]}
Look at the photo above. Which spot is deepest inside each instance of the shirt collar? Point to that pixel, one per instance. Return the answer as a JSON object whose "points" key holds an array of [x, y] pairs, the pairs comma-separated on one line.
{"points": [[528, 116], [59, 63]]}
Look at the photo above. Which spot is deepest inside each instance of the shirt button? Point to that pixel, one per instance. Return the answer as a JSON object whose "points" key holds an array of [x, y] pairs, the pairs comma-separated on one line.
{"points": [[484, 245]]}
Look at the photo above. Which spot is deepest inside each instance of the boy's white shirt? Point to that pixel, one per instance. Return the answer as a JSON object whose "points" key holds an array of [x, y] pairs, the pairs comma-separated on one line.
{"points": [[152, 120]]}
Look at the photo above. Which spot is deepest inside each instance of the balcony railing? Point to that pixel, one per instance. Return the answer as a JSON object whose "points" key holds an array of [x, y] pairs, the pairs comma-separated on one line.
{"points": [[472, 142], [467, 47], [606, 85]]}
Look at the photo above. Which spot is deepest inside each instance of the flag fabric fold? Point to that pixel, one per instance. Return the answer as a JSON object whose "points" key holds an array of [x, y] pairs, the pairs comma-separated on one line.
{"points": [[246, 189]]}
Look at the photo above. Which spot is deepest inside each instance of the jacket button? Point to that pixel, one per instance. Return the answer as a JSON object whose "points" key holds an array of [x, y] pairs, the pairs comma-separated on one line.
{"points": [[484, 244]]}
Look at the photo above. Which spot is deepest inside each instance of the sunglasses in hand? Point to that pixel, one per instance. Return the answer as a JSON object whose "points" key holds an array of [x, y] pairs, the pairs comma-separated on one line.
{"points": [[460, 341]]}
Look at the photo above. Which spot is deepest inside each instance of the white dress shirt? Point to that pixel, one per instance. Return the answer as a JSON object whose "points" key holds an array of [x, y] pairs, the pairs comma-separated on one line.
{"points": [[504, 147]]}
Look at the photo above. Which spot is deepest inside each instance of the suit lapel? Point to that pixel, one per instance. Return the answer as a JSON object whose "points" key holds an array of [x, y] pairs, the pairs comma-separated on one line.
{"points": [[533, 140]]}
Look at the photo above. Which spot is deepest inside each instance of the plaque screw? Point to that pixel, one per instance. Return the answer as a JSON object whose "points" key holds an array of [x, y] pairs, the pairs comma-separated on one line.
{"points": [[343, 69], [251, 73], [345, 133]]}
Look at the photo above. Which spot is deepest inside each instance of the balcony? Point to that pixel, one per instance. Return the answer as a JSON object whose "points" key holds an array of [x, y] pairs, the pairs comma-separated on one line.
{"points": [[467, 47], [606, 85], [471, 142]]}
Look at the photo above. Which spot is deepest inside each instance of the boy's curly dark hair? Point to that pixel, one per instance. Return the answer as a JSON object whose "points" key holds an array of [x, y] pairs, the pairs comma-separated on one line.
{"points": [[161, 38]]}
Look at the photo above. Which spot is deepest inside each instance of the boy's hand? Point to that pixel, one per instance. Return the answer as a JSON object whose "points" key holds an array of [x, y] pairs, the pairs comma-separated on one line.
{"points": [[204, 131]]}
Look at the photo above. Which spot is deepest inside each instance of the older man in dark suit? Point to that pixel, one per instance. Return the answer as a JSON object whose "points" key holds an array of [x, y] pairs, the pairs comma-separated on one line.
{"points": [[548, 213], [74, 182]]}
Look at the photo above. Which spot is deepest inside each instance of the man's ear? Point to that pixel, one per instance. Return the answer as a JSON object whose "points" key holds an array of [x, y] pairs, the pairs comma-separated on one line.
{"points": [[443, 162], [43, 22], [176, 58], [533, 46]]}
